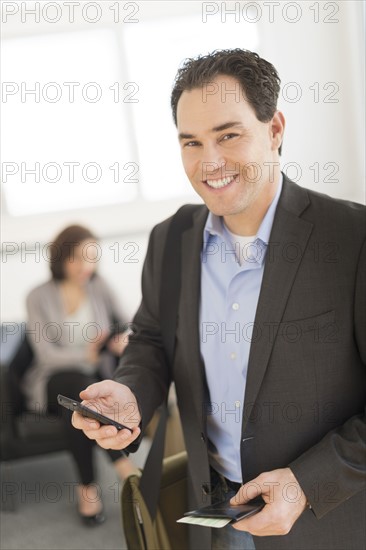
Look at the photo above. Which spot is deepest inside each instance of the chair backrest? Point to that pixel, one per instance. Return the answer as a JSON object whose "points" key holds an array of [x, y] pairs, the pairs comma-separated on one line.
{"points": [[16, 357], [11, 337], [17, 368]]}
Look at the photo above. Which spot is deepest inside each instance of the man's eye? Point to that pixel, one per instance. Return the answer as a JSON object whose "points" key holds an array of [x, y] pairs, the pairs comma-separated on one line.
{"points": [[229, 136], [191, 144]]}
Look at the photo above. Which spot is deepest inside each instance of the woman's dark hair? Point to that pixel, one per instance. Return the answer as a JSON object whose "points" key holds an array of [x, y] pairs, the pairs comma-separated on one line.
{"points": [[62, 248], [258, 78]]}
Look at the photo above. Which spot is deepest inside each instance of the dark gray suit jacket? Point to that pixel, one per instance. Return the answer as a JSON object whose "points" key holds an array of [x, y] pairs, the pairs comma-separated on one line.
{"points": [[305, 390]]}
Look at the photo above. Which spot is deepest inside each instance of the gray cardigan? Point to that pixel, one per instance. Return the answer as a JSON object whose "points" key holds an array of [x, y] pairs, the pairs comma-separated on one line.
{"points": [[49, 335]]}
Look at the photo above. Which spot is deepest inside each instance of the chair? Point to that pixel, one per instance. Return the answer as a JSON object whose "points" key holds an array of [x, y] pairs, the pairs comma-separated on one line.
{"points": [[23, 433]]}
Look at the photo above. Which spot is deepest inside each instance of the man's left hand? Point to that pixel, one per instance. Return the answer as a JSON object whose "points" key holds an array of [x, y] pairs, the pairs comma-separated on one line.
{"points": [[284, 498]]}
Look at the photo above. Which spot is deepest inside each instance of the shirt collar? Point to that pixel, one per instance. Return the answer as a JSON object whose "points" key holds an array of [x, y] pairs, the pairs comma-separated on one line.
{"points": [[214, 224]]}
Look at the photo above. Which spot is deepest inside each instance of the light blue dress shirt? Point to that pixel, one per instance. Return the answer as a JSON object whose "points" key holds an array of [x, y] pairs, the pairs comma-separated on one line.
{"points": [[229, 298]]}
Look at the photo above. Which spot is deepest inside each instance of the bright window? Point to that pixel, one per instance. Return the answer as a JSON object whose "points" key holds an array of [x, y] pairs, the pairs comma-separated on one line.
{"points": [[52, 129], [98, 129]]}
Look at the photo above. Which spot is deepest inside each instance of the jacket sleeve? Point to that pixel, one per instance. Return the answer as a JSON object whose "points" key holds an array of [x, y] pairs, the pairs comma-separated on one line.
{"points": [[335, 469], [143, 366]]}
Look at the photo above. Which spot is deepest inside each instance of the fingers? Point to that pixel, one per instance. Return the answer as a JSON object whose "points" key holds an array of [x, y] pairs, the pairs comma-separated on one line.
{"points": [[113, 439], [268, 522], [107, 437], [255, 524]]}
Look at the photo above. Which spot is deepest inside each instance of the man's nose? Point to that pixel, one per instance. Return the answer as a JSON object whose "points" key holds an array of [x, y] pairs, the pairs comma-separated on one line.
{"points": [[213, 162]]}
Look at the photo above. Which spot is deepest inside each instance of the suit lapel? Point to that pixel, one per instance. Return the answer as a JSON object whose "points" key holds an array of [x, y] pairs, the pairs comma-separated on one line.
{"points": [[289, 233]]}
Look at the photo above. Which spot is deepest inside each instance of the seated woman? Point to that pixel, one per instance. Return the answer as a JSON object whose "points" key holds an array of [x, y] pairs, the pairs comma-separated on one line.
{"points": [[75, 315]]}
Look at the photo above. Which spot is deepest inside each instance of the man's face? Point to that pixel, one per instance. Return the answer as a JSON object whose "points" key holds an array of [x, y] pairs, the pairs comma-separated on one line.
{"points": [[224, 150]]}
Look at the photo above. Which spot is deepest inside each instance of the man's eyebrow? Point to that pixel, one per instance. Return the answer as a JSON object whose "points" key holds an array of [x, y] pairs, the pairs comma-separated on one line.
{"points": [[219, 128], [182, 135], [225, 126]]}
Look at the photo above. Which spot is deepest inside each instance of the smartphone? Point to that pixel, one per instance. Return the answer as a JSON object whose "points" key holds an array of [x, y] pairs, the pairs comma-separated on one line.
{"points": [[75, 406]]}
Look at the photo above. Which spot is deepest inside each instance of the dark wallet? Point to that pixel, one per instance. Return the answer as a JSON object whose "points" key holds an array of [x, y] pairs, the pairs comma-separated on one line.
{"points": [[225, 510]]}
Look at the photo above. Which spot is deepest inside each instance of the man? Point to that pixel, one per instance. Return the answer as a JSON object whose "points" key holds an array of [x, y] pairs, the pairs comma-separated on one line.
{"points": [[270, 354]]}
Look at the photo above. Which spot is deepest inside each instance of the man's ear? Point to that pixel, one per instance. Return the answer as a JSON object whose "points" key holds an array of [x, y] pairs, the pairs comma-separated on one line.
{"points": [[277, 129]]}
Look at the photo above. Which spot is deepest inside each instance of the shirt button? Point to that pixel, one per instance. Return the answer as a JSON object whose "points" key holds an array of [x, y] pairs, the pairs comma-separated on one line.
{"points": [[232, 355], [235, 306]]}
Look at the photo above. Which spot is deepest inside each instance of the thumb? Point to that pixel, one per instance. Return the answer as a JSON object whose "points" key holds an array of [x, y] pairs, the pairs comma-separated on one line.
{"points": [[247, 492], [99, 389]]}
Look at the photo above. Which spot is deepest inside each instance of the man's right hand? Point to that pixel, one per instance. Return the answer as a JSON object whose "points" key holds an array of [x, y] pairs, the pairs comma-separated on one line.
{"points": [[115, 401]]}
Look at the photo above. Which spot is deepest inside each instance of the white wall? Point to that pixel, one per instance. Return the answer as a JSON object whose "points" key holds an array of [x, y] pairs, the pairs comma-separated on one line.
{"points": [[331, 55], [304, 52]]}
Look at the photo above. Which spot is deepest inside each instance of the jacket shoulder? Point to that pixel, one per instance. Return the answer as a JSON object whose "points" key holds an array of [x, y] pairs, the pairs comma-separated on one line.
{"points": [[320, 208], [340, 219], [338, 206]]}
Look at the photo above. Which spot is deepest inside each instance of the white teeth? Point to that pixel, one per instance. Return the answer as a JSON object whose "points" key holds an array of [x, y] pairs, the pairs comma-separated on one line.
{"points": [[217, 184]]}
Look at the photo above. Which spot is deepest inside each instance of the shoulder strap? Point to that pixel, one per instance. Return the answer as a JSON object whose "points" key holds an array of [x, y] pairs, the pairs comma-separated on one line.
{"points": [[171, 277], [169, 301]]}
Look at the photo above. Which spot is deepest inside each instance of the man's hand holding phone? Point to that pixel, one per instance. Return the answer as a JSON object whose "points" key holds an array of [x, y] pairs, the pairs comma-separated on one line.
{"points": [[116, 401]]}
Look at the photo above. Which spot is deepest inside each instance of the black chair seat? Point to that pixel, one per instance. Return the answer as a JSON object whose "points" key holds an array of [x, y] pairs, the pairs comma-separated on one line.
{"points": [[29, 425], [23, 433]]}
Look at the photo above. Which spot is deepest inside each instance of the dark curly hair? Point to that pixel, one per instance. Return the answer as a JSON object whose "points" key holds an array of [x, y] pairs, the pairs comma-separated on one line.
{"points": [[62, 248], [258, 78]]}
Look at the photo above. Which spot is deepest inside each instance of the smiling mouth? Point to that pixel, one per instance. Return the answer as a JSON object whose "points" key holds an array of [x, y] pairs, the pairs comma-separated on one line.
{"points": [[220, 182]]}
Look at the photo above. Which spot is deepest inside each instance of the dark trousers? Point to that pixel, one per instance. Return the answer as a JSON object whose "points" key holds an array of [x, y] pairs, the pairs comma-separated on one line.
{"points": [[70, 383]]}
